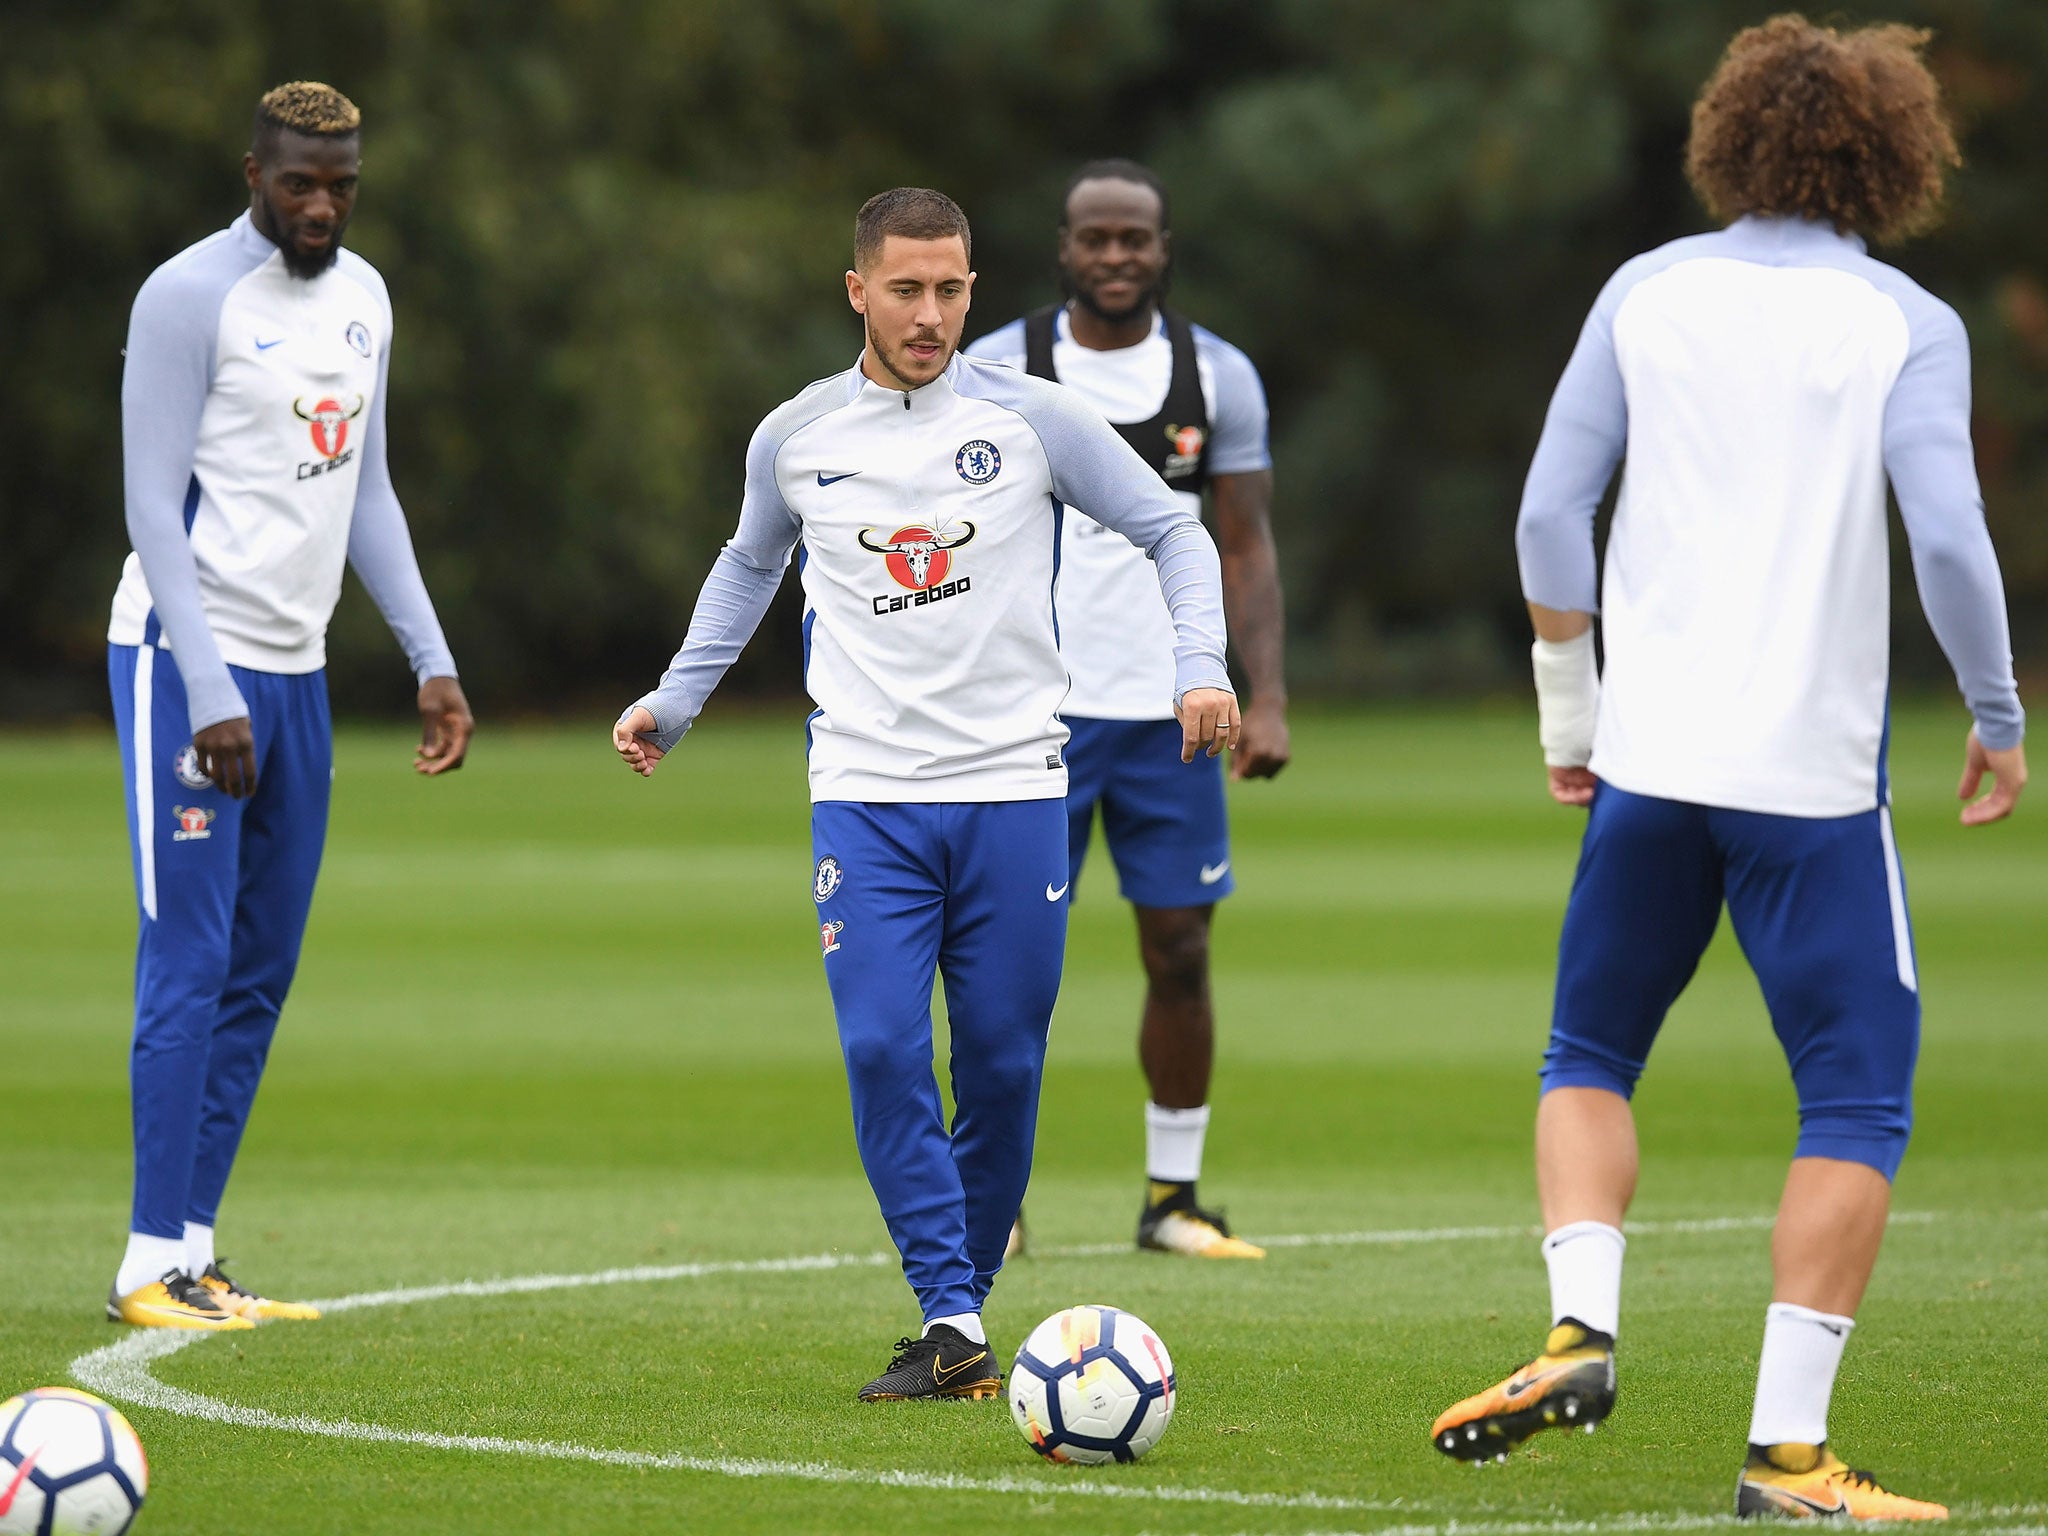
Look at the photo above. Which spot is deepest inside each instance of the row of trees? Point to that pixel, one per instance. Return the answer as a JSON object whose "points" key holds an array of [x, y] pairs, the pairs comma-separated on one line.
{"points": [[614, 230]]}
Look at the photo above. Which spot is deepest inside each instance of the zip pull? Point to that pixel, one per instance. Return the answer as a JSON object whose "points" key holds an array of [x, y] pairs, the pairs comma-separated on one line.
{"points": [[906, 399]]}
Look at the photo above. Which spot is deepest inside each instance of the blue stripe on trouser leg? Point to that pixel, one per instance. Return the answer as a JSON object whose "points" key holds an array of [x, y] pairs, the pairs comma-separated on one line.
{"points": [[1643, 909], [284, 831], [204, 907], [909, 889], [1820, 907]]}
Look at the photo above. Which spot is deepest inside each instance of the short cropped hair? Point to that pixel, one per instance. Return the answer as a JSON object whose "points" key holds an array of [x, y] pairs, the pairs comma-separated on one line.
{"points": [[915, 213], [1817, 123], [1117, 170], [304, 106]]}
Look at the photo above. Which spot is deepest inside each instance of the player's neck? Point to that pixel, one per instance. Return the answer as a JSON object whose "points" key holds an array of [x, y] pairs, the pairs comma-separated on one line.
{"points": [[1099, 334]]}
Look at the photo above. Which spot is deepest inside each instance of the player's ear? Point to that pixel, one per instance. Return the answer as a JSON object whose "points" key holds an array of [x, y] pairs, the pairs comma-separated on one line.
{"points": [[252, 170], [856, 291]]}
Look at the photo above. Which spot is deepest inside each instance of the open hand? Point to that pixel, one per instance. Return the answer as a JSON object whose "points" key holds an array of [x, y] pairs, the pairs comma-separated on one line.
{"points": [[2008, 770], [631, 737], [1209, 722], [445, 726]]}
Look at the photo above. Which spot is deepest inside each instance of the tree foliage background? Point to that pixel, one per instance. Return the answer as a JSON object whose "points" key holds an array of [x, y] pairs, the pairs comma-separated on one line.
{"points": [[614, 232]]}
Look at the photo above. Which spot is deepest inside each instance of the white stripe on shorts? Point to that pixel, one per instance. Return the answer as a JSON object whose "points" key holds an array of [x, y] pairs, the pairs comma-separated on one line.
{"points": [[145, 781], [1895, 887]]}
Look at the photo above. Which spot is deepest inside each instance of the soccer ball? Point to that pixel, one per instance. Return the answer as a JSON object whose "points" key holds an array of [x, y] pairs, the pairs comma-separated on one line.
{"points": [[1092, 1384], [70, 1465]]}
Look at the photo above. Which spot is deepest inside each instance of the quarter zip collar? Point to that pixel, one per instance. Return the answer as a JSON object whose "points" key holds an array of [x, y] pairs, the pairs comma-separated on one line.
{"points": [[920, 404]]}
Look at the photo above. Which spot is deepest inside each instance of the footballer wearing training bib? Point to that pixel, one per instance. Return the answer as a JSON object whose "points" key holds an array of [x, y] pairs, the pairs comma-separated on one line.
{"points": [[1764, 384], [1193, 408], [253, 406], [927, 491]]}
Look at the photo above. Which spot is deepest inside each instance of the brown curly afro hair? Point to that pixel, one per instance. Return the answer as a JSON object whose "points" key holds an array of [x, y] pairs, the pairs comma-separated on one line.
{"points": [[1811, 122]]}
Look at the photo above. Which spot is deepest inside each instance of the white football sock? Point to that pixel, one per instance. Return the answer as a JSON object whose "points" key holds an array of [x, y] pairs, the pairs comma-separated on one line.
{"points": [[1173, 1143], [198, 1249], [1796, 1377], [146, 1259], [968, 1323], [1584, 1259]]}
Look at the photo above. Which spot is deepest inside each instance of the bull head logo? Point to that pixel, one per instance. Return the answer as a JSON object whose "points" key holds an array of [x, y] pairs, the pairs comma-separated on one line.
{"points": [[918, 556], [328, 421]]}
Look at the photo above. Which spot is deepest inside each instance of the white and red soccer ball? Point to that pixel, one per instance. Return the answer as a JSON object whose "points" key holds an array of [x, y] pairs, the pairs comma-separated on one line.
{"points": [[1092, 1384], [70, 1465]]}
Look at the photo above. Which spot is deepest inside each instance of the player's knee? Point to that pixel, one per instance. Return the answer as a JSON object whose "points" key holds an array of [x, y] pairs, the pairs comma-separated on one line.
{"points": [[1571, 1061], [1873, 1133], [1176, 956], [884, 1056]]}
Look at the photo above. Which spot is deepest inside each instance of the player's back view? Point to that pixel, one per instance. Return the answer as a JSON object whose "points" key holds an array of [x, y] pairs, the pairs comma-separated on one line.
{"points": [[1763, 383]]}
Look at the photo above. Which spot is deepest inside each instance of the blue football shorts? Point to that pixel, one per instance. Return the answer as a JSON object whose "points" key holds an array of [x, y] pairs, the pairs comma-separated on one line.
{"points": [[1164, 820], [1819, 905]]}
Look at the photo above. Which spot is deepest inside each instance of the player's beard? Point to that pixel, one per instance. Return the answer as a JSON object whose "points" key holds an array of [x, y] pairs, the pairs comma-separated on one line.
{"points": [[1147, 298], [890, 360], [300, 265]]}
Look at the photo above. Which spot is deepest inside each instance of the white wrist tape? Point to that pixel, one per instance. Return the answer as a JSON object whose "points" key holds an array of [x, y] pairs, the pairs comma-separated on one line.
{"points": [[1567, 699]]}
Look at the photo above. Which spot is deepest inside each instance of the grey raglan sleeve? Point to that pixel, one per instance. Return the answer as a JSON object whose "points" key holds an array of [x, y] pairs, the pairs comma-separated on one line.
{"points": [[164, 382], [735, 596], [1934, 475], [1096, 470], [1584, 434], [380, 546]]}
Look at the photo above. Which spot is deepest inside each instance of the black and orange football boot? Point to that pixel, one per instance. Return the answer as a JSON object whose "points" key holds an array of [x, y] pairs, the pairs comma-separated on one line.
{"points": [[1810, 1482], [944, 1363], [1569, 1386]]}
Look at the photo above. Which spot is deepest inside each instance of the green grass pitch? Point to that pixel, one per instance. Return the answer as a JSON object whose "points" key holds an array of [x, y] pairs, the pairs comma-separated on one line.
{"points": [[554, 1020]]}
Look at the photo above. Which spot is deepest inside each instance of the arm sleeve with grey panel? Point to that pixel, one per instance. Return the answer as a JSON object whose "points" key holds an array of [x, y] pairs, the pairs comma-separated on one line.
{"points": [[380, 545], [741, 584], [1933, 472], [164, 381]]}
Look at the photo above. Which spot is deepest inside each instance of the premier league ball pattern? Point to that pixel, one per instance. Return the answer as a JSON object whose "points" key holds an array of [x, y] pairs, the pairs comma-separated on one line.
{"points": [[70, 1465], [1092, 1384]]}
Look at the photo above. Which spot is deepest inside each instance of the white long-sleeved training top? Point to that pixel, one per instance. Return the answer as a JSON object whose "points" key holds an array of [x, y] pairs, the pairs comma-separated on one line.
{"points": [[252, 438], [1764, 381], [930, 527]]}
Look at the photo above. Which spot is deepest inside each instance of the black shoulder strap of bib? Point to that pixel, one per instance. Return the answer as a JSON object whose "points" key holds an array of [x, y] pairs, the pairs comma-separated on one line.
{"points": [[1184, 405], [1038, 342]]}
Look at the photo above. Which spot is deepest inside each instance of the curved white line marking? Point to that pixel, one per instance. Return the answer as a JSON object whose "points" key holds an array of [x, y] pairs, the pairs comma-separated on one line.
{"points": [[121, 1371]]}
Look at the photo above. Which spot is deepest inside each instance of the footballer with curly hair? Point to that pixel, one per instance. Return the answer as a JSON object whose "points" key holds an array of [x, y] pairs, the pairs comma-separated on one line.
{"points": [[252, 437], [1764, 383]]}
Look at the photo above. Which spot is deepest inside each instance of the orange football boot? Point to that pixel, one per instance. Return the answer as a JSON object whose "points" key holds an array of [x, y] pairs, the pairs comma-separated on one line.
{"points": [[1569, 1386], [1809, 1482]]}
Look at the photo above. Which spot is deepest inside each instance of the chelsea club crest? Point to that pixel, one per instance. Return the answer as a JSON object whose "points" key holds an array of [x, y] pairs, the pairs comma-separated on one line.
{"points": [[827, 879], [187, 770], [978, 461]]}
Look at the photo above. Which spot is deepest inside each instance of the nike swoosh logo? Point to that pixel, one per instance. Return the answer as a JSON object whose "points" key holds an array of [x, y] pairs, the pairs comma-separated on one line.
{"points": [[265, 346], [20, 1476], [1211, 873], [1815, 1505], [825, 479], [1055, 895], [1515, 1389], [941, 1373]]}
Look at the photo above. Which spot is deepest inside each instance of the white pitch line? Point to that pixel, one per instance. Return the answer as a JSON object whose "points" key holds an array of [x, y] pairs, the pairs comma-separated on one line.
{"points": [[121, 1371]]}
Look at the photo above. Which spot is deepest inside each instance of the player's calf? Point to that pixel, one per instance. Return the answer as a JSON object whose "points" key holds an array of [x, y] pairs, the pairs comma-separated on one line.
{"points": [[1569, 1386]]}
